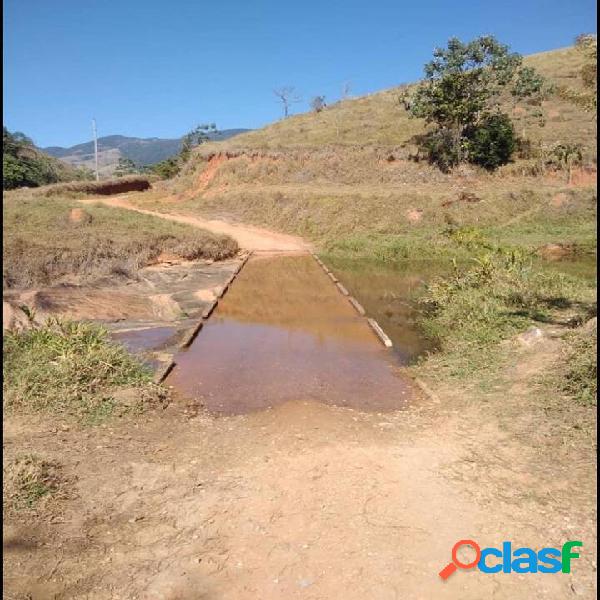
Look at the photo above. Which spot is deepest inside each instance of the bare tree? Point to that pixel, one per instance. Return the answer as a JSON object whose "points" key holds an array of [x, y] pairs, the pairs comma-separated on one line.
{"points": [[346, 90], [287, 95], [318, 103]]}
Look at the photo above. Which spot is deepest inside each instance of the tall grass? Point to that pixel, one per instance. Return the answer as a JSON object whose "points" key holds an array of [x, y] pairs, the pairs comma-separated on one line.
{"points": [[470, 312], [70, 368]]}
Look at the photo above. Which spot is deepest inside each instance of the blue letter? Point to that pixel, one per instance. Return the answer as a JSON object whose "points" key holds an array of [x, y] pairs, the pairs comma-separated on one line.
{"points": [[528, 564], [489, 552], [506, 555], [553, 565]]}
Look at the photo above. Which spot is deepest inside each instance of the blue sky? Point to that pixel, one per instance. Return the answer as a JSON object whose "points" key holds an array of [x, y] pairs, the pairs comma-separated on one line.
{"points": [[148, 68]]}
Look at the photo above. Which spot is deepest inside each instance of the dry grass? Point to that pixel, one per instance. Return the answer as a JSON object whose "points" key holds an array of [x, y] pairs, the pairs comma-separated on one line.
{"points": [[379, 120], [347, 178], [28, 481], [42, 245]]}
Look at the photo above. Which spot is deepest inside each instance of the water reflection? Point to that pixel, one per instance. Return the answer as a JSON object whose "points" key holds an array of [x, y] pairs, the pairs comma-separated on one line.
{"points": [[284, 332]]}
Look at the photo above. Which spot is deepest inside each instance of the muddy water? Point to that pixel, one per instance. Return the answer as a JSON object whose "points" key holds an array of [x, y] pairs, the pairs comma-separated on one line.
{"points": [[388, 292], [284, 332]]}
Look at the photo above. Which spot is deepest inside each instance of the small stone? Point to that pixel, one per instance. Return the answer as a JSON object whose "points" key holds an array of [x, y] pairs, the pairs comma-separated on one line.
{"points": [[531, 336]]}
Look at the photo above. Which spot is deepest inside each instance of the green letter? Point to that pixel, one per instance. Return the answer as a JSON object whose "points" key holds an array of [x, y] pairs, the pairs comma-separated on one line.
{"points": [[567, 555]]}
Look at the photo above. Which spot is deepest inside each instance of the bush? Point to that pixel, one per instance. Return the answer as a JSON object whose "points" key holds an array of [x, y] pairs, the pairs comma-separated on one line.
{"points": [[491, 143], [24, 165], [440, 149]]}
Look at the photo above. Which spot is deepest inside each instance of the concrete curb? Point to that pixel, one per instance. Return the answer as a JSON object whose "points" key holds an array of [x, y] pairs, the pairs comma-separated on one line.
{"points": [[342, 289], [190, 335], [161, 373], [387, 342], [357, 305], [380, 333], [209, 309]]}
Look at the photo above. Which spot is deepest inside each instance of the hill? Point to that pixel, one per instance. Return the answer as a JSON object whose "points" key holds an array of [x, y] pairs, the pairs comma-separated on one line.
{"points": [[25, 165], [379, 119], [142, 151], [349, 178]]}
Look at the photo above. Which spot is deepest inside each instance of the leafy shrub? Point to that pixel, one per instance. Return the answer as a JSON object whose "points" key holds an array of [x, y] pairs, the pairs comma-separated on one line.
{"points": [[23, 165], [491, 143], [440, 148]]}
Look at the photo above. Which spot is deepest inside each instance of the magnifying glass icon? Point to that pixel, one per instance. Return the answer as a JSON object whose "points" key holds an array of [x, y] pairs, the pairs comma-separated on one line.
{"points": [[457, 564]]}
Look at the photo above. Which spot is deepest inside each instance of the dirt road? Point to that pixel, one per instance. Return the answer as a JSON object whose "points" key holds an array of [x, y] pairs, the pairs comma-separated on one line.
{"points": [[307, 500], [247, 236]]}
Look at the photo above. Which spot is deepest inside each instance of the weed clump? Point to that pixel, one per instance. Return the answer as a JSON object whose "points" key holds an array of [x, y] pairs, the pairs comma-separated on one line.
{"points": [[27, 479], [579, 376], [71, 368]]}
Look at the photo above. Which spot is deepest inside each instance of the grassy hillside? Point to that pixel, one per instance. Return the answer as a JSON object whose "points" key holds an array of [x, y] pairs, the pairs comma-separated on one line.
{"points": [[347, 178], [379, 119]]}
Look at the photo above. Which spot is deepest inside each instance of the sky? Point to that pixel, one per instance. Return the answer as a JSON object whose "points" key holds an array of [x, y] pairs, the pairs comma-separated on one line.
{"points": [[150, 68]]}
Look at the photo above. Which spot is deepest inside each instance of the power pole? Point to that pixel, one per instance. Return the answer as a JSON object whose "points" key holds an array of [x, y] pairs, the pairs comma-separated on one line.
{"points": [[95, 147]]}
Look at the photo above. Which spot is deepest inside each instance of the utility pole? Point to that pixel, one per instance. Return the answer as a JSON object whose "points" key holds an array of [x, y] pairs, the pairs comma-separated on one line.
{"points": [[95, 147]]}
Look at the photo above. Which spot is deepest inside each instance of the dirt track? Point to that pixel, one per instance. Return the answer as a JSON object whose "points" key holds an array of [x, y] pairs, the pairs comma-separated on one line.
{"points": [[247, 236], [305, 500]]}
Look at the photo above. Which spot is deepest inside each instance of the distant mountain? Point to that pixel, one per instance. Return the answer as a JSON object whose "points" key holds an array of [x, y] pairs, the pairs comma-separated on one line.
{"points": [[142, 151]]}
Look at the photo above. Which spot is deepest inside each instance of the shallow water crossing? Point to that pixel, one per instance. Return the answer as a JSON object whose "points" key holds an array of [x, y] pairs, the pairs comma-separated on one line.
{"points": [[284, 332]]}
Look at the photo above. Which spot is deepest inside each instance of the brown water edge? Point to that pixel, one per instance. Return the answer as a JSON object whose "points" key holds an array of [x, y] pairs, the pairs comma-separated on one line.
{"points": [[284, 333]]}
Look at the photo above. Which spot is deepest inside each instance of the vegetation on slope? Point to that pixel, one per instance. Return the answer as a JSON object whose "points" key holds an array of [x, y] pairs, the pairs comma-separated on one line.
{"points": [[24, 165], [469, 312], [379, 119]]}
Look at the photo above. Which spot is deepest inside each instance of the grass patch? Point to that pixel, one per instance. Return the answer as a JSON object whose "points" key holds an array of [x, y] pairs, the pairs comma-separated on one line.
{"points": [[28, 479], [471, 311], [579, 371], [42, 244], [71, 368]]}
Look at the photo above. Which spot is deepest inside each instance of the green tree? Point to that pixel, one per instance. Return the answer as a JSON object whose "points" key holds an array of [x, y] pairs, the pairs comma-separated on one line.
{"points": [[491, 142], [199, 135], [170, 167], [125, 166], [467, 82], [24, 165]]}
